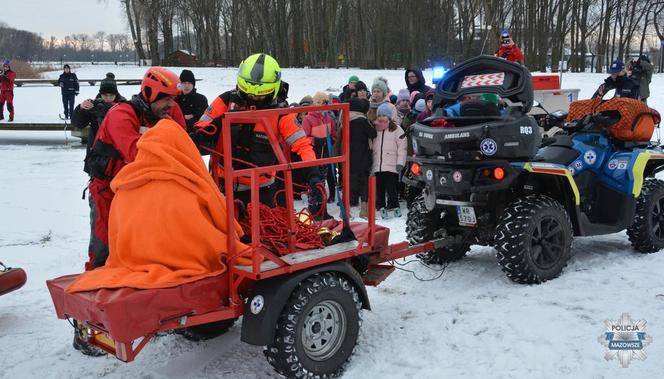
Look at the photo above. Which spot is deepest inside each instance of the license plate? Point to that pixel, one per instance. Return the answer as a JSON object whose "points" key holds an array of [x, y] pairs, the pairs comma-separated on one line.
{"points": [[466, 216]]}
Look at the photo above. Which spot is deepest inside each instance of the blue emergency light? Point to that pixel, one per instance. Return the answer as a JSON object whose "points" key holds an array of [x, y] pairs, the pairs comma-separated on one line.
{"points": [[438, 73]]}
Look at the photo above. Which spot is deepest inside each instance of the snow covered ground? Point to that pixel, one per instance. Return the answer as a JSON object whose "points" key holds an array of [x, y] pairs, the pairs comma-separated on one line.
{"points": [[471, 322]]}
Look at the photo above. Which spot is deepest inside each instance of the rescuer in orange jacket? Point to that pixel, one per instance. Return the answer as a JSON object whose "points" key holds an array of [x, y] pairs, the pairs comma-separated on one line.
{"points": [[258, 85]]}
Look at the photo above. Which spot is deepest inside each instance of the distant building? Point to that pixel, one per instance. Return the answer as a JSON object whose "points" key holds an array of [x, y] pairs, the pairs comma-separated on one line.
{"points": [[183, 58]]}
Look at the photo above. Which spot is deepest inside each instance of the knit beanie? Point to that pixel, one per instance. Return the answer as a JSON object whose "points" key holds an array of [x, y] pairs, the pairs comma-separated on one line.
{"points": [[384, 110], [6, 62], [380, 85], [358, 104], [353, 78], [414, 96], [320, 98], [108, 85], [67, 66], [188, 76], [307, 100], [420, 105], [403, 95]]}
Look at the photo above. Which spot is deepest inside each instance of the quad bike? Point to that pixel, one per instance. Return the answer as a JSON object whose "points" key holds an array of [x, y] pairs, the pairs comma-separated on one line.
{"points": [[492, 180]]}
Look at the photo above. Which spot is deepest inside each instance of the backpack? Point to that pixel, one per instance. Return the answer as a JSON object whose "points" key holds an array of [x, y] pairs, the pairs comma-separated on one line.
{"points": [[637, 121]]}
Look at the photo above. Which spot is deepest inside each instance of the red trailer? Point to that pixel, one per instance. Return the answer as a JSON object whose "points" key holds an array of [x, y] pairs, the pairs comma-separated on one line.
{"points": [[303, 306]]}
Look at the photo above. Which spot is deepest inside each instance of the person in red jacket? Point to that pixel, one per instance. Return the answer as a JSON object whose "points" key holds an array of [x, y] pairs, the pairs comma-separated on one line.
{"points": [[257, 87], [508, 49], [7, 90], [113, 148]]}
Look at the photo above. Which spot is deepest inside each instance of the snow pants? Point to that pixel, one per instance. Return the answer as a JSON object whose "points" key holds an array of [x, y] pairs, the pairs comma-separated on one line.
{"points": [[8, 97], [68, 103], [100, 197], [386, 184]]}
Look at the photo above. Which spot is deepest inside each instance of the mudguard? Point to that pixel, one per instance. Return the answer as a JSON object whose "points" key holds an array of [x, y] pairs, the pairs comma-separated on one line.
{"points": [[259, 328]]}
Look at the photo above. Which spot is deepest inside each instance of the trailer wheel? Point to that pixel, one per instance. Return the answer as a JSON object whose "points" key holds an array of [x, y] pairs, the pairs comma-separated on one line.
{"points": [[647, 232], [421, 226], [206, 331], [533, 239], [317, 330]]}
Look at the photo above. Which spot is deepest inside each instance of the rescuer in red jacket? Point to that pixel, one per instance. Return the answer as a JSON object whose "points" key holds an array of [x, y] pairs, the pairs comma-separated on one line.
{"points": [[508, 49], [7, 77], [113, 148]]}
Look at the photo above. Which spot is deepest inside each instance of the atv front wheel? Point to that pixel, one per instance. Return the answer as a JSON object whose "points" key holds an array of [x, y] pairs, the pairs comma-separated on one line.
{"points": [[533, 239], [421, 226], [647, 232], [318, 328]]}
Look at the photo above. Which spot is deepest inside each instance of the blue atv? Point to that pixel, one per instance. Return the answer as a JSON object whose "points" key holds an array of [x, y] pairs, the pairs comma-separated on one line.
{"points": [[492, 180]]}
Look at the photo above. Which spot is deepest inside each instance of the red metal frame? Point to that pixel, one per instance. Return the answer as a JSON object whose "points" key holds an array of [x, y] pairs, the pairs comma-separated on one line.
{"points": [[236, 277]]}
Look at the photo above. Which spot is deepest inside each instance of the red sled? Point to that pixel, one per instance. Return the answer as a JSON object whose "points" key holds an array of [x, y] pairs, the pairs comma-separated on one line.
{"points": [[11, 279]]}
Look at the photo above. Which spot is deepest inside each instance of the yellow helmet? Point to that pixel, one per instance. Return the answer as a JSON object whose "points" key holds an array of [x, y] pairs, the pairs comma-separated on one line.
{"points": [[259, 75]]}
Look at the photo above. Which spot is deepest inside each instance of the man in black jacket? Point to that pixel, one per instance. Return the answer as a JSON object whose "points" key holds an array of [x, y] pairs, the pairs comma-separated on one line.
{"points": [[624, 86], [193, 104], [92, 112]]}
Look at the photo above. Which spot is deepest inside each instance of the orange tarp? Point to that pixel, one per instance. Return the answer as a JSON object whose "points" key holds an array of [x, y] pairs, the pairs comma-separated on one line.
{"points": [[168, 220]]}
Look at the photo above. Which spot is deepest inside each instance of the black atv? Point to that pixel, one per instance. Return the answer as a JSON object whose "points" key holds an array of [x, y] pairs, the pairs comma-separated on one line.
{"points": [[484, 179]]}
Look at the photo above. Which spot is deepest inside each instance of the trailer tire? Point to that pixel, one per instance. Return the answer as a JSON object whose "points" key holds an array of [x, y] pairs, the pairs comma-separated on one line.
{"points": [[421, 226], [317, 330], [647, 232], [208, 331]]}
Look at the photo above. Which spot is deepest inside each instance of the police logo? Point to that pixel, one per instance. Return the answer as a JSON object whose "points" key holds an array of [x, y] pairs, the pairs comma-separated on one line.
{"points": [[625, 339], [488, 146], [612, 165], [590, 157]]}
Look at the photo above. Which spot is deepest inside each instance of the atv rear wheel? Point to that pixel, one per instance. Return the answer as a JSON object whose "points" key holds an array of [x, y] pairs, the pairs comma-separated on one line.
{"points": [[533, 239], [318, 328], [421, 226], [647, 232]]}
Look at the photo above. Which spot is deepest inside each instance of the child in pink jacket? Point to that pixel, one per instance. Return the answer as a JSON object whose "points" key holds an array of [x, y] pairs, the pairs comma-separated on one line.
{"points": [[389, 158]]}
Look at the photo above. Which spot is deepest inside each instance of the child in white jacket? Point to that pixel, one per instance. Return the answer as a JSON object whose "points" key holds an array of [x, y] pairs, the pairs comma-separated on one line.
{"points": [[389, 158]]}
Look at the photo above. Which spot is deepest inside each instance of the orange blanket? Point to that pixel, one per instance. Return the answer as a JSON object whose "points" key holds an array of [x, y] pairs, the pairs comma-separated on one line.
{"points": [[168, 222]]}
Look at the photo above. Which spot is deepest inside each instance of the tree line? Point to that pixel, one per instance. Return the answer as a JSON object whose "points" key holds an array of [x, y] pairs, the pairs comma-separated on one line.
{"points": [[27, 46], [394, 33]]}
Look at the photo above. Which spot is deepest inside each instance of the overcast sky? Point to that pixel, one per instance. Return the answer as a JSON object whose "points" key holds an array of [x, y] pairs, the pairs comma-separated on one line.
{"points": [[64, 17]]}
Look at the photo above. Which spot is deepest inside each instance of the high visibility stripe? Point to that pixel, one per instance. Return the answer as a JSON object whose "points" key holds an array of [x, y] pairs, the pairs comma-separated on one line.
{"points": [[295, 136], [205, 118]]}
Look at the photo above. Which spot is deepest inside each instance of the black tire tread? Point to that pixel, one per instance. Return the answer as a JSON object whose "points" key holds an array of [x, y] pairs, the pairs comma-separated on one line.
{"points": [[640, 232], [421, 226], [282, 354], [510, 237]]}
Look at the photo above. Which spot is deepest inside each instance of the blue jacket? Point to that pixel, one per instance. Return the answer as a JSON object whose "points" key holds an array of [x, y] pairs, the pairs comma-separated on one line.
{"points": [[69, 83]]}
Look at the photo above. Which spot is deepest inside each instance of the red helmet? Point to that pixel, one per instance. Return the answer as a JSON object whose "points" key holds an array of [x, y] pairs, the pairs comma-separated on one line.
{"points": [[159, 82]]}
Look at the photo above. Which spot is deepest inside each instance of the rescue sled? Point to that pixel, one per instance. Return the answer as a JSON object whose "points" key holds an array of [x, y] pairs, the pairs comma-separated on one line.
{"points": [[303, 306], [11, 279]]}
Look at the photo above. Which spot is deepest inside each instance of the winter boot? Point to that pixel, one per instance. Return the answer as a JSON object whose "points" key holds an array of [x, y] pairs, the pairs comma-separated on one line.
{"points": [[2, 116], [384, 214], [363, 210], [11, 117], [80, 343]]}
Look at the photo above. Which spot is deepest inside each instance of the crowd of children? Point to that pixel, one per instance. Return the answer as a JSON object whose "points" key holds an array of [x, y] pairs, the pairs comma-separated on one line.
{"points": [[379, 120]]}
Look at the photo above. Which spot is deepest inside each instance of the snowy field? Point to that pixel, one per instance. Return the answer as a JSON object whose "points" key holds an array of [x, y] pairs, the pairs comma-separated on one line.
{"points": [[472, 322]]}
